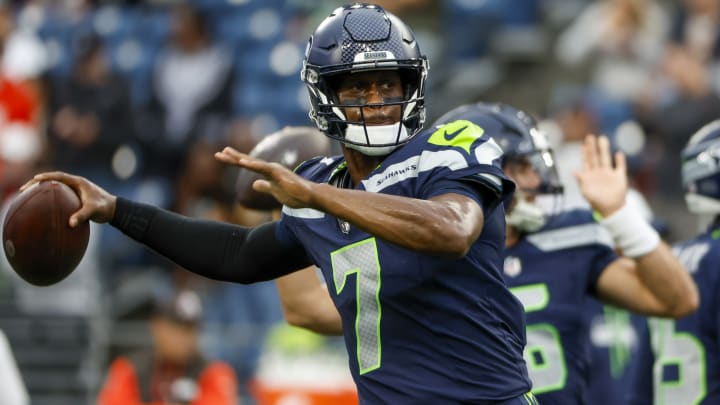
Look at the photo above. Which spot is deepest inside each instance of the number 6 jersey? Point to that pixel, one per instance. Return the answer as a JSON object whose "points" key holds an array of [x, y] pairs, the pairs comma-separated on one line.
{"points": [[553, 272], [679, 360], [421, 329]]}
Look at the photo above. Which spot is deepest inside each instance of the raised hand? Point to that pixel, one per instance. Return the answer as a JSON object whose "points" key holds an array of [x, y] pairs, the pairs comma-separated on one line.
{"points": [[96, 204], [603, 185], [287, 187]]}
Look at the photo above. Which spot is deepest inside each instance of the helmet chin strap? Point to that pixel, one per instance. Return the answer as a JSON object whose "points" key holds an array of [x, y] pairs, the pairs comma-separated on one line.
{"points": [[699, 204], [376, 135], [525, 216]]}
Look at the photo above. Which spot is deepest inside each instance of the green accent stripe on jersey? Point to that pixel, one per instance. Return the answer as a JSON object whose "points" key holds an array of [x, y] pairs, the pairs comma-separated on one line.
{"points": [[459, 134]]}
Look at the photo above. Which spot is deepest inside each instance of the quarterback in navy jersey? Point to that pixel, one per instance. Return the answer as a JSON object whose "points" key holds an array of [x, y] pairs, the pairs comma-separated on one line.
{"points": [[554, 265], [407, 226], [679, 360], [382, 291]]}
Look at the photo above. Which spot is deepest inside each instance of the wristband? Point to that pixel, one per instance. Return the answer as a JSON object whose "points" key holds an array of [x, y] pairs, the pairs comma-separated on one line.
{"points": [[631, 233]]}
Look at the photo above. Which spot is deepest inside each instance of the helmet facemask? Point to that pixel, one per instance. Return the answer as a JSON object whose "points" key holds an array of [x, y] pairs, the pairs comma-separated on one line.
{"points": [[330, 114], [535, 200], [357, 39]]}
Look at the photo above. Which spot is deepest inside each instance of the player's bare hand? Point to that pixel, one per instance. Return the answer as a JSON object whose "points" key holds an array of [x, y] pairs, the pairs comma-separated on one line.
{"points": [[603, 184], [96, 204], [287, 187]]}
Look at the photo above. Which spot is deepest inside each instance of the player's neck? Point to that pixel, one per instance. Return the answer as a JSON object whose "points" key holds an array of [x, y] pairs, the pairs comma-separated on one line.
{"points": [[360, 165]]}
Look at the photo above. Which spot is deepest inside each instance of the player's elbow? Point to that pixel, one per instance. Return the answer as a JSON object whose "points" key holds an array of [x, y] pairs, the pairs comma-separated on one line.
{"points": [[686, 305], [456, 235], [452, 243], [458, 245], [457, 249], [298, 318]]}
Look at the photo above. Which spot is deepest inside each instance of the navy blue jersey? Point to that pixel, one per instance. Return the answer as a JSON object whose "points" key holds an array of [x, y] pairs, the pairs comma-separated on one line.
{"points": [[679, 360], [613, 344], [552, 272], [422, 329]]}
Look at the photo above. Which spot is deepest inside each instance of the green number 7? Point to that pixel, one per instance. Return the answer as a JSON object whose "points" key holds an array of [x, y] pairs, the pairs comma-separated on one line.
{"points": [[361, 259]]}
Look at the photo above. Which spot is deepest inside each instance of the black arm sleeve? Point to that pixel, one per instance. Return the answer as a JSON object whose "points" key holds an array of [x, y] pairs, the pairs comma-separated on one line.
{"points": [[216, 250]]}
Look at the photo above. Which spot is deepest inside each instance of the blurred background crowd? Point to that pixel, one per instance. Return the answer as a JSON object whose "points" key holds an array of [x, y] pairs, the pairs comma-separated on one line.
{"points": [[137, 95]]}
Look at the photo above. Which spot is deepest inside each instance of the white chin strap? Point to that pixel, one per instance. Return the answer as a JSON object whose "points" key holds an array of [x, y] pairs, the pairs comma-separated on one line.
{"points": [[526, 216], [377, 135], [699, 204]]}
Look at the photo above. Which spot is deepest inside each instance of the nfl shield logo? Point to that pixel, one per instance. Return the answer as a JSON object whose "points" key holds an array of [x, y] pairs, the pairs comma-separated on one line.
{"points": [[512, 266]]}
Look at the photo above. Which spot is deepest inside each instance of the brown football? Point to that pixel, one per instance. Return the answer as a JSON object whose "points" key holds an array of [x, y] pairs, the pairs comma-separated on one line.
{"points": [[39, 244], [290, 146]]}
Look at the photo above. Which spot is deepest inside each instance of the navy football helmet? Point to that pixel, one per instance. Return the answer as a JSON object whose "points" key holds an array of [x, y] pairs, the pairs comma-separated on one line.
{"points": [[359, 38], [524, 146], [701, 170], [517, 134]]}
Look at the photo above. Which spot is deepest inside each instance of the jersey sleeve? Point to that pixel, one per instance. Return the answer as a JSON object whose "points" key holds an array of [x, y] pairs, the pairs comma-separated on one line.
{"points": [[604, 251], [461, 152], [603, 257]]}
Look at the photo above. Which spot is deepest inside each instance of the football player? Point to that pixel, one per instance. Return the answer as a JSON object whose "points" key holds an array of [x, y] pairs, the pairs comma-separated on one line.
{"points": [[407, 225], [679, 360], [553, 264], [556, 266]]}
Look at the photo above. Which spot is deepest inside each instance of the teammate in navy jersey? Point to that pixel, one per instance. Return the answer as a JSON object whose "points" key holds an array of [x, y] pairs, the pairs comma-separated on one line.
{"points": [[407, 226], [679, 361], [555, 264], [613, 350]]}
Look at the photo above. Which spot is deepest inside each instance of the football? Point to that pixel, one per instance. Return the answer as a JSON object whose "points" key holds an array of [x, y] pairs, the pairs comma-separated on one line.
{"points": [[39, 243], [290, 146]]}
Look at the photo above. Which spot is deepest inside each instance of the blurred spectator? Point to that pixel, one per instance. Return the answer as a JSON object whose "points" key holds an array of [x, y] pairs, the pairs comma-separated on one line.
{"points": [[298, 366], [173, 372], [621, 39], [573, 115], [685, 93], [21, 142], [682, 98], [24, 58], [190, 92], [680, 101], [239, 317], [576, 112], [90, 118], [90, 133], [696, 26], [202, 181], [11, 383]]}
